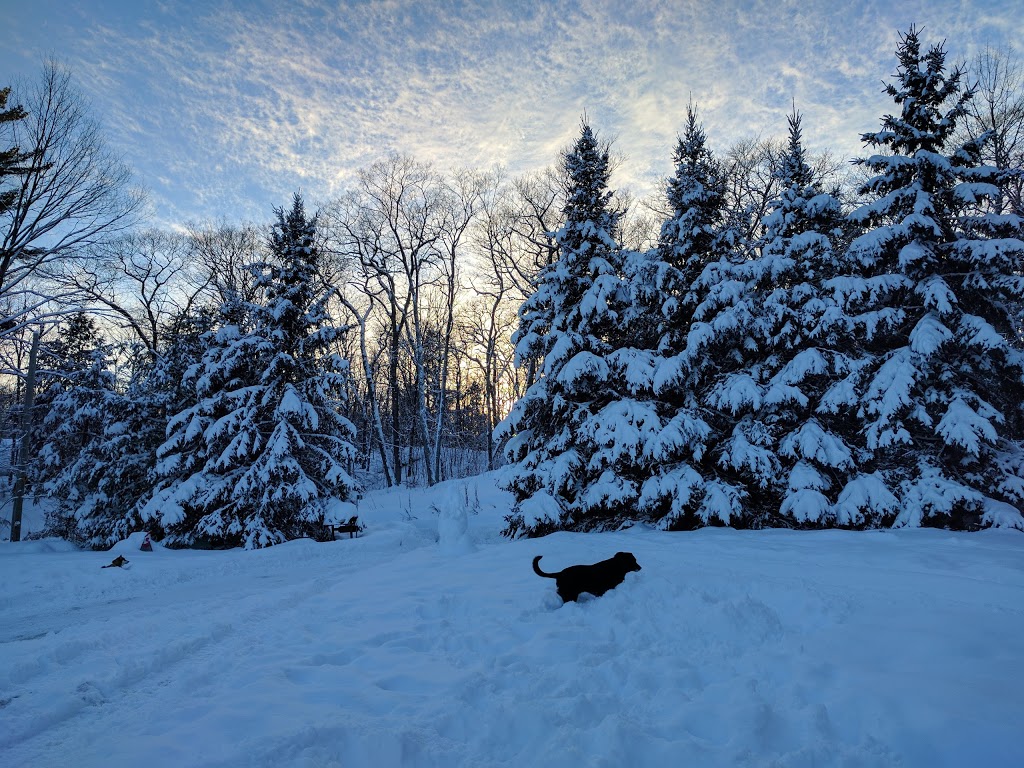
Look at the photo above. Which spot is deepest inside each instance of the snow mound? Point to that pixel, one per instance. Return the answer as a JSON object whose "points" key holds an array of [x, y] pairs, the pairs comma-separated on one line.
{"points": [[133, 544], [37, 546]]}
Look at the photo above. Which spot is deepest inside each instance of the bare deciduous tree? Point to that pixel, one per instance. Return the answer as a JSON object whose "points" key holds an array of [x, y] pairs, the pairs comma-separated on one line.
{"points": [[225, 254], [998, 109], [463, 198], [389, 227], [513, 240], [73, 194], [142, 281]]}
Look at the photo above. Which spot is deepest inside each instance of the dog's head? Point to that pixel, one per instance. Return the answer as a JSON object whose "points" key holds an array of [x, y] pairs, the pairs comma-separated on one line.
{"points": [[626, 561]]}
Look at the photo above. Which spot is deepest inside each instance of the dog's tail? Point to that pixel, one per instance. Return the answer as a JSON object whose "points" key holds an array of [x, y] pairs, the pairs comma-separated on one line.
{"points": [[539, 572]]}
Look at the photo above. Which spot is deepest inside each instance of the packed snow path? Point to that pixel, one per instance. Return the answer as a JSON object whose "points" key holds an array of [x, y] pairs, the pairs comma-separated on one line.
{"points": [[729, 648]]}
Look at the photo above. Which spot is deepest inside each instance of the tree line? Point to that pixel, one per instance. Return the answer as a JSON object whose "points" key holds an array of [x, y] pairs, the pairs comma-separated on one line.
{"points": [[838, 365], [672, 360]]}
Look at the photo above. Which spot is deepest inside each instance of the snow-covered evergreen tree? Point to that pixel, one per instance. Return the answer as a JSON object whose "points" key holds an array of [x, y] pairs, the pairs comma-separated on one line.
{"points": [[563, 451], [941, 408], [135, 426], [670, 288], [690, 239], [262, 455], [97, 443], [802, 346], [13, 161], [74, 408]]}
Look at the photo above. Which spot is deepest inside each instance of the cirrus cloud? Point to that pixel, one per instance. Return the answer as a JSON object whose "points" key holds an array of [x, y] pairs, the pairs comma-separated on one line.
{"points": [[226, 108]]}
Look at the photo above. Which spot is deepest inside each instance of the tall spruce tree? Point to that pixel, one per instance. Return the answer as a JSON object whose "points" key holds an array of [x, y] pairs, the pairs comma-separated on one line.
{"points": [[941, 408], [802, 336], [562, 460], [712, 370], [691, 238], [262, 455], [669, 287], [76, 400]]}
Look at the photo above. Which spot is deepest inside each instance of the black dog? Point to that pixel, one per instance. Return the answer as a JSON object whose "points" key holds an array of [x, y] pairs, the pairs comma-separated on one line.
{"points": [[595, 579]]}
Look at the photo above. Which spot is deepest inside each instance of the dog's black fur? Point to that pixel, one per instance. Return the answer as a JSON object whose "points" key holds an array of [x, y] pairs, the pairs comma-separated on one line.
{"points": [[595, 579]]}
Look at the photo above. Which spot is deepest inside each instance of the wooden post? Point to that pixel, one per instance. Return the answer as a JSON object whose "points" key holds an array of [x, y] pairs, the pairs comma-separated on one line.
{"points": [[26, 439]]}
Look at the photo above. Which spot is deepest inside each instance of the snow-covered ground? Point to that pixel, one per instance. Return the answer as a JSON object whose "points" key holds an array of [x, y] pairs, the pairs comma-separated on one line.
{"points": [[427, 643]]}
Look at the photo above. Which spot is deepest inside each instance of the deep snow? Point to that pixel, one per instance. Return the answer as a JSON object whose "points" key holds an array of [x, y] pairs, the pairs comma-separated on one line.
{"points": [[406, 647]]}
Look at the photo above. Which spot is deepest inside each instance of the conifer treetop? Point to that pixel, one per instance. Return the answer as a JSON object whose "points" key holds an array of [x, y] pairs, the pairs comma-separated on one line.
{"points": [[922, 89]]}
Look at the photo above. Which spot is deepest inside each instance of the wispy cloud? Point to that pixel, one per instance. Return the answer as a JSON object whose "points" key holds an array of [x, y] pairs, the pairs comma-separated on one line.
{"points": [[226, 109]]}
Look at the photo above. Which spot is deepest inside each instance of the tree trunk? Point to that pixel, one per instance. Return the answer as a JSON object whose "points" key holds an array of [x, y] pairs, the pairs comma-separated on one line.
{"points": [[396, 419], [371, 388], [26, 439]]}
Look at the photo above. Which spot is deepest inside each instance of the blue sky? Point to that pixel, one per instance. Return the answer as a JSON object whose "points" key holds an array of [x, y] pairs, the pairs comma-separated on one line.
{"points": [[224, 107]]}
